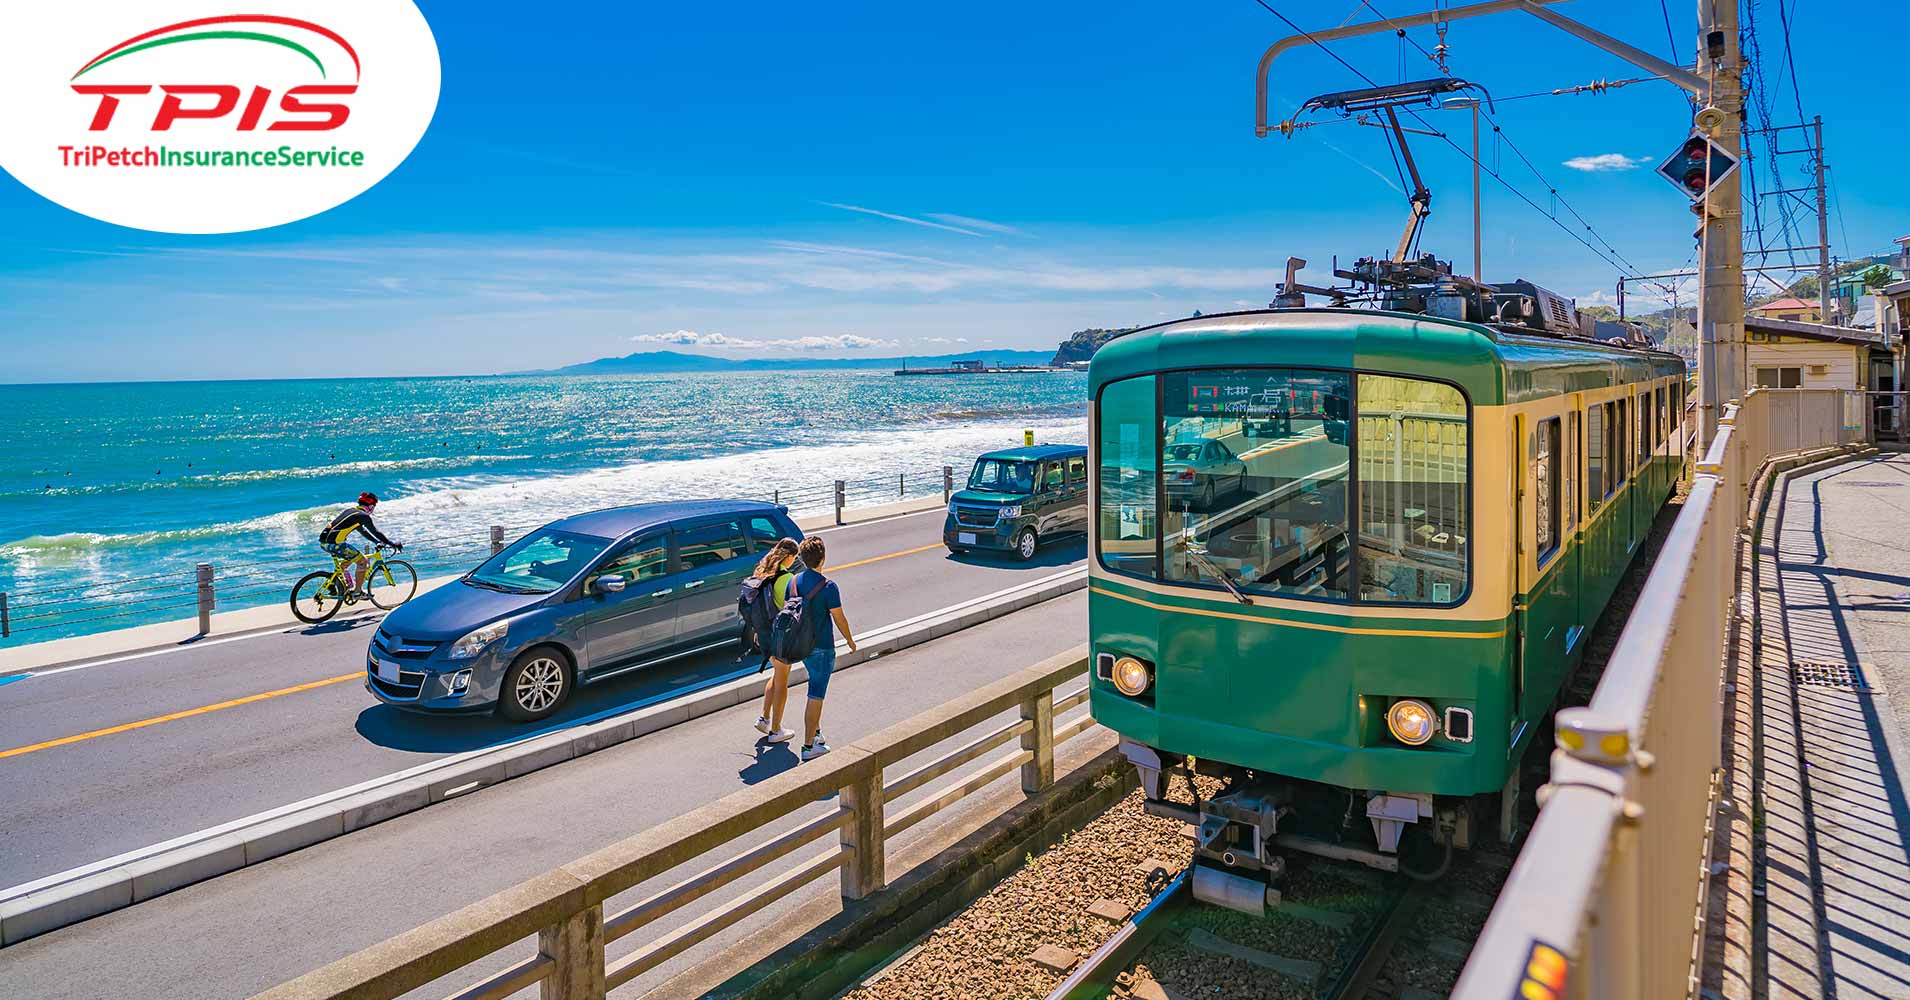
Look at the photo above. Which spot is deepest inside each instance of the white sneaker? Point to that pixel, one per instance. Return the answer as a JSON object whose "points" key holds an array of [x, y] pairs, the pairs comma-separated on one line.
{"points": [[781, 736], [762, 724], [815, 749]]}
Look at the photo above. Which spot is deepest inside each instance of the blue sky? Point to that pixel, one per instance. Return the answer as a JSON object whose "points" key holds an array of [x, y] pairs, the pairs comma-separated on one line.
{"points": [[781, 180]]}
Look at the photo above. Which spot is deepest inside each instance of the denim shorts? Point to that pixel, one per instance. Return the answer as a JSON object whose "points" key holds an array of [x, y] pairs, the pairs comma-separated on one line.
{"points": [[820, 664]]}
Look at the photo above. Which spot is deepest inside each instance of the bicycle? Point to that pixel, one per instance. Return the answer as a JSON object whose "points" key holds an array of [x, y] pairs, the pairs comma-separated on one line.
{"points": [[319, 595]]}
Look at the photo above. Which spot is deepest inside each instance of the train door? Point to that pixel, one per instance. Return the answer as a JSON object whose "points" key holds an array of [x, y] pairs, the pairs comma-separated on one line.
{"points": [[1521, 471], [1572, 481]]}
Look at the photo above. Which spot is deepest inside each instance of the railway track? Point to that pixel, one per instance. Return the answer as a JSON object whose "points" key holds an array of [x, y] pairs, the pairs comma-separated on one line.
{"points": [[1363, 945]]}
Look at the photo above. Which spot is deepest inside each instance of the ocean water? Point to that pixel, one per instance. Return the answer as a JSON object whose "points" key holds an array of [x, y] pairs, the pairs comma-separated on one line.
{"points": [[110, 494]]}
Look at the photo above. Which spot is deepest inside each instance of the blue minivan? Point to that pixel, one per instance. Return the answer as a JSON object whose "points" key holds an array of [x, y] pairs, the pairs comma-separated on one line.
{"points": [[574, 602]]}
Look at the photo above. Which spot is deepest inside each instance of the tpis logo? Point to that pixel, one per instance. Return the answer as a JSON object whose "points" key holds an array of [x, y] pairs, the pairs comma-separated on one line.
{"points": [[189, 116]]}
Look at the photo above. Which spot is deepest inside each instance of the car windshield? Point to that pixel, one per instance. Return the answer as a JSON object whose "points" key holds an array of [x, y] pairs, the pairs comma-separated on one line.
{"points": [[538, 563], [998, 475]]}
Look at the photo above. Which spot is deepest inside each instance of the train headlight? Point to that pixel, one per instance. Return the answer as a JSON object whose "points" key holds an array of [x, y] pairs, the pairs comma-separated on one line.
{"points": [[1130, 676], [1412, 721]]}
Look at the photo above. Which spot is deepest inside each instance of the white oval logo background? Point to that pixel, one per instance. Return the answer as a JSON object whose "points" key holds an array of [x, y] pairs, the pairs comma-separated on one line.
{"points": [[220, 75]]}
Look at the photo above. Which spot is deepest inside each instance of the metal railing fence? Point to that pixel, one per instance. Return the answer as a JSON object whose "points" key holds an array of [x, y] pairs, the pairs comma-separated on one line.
{"points": [[570, 911], [38, 612], [1606, 899]]}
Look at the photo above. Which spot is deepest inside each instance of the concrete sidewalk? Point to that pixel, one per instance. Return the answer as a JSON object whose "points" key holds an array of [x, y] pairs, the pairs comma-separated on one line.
{"points": [[1833, 627]]}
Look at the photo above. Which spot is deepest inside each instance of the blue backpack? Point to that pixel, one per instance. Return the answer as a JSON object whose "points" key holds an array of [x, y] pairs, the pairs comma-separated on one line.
{"points": [[792, 635]]}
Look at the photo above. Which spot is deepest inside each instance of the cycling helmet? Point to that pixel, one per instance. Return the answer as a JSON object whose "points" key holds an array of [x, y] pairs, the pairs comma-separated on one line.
{"points": [[367, 498]]}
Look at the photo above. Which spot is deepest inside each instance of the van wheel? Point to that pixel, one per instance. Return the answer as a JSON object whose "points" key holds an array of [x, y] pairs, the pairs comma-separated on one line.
{"points": [[535, 685], [1025, 544]]}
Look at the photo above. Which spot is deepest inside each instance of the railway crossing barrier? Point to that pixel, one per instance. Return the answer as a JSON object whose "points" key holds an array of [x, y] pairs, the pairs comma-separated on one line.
{"points": [[569, 911], [1607, 900]]}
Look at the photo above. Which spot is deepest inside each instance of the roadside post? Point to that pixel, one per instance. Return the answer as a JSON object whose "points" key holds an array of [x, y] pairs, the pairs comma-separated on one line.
{"points": [[901, 485], [497, 538], [1028, 438], [948, 483], [6, 628], [841, 491], [204, 575]]}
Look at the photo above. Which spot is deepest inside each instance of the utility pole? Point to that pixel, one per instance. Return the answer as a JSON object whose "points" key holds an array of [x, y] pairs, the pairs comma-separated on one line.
{"points": [[1823, 229], [1721, 298]]}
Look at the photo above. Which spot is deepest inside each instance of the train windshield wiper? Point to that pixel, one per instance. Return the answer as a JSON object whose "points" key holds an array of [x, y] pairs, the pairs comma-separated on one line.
{"points": [[1200, 556]]}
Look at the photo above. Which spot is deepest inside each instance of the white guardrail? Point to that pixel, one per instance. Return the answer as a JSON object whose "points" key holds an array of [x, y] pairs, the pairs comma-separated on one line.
{"points": [[1607, 898]]}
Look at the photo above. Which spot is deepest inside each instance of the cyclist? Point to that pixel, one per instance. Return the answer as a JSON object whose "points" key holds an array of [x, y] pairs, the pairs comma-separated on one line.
{"points": [[334, 538]]}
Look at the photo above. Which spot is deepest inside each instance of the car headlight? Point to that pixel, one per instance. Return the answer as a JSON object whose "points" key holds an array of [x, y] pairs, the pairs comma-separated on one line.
{"points": [[474, 641], [1412, 721], [1010, 513], [1130, 676], [951, 506]]}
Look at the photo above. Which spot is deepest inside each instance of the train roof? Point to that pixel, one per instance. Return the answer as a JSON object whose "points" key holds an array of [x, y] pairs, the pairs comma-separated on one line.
{"points": [[1493, 366]]}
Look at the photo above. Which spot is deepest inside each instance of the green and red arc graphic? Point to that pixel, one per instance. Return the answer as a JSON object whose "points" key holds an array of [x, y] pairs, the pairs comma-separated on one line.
{"points": [[224, 27]]}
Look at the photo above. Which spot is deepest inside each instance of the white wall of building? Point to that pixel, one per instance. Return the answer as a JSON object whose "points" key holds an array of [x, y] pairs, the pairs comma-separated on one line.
{"points": [[1841, 363]]}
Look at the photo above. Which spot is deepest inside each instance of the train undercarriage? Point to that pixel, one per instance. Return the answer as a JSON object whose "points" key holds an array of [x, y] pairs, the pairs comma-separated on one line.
{"points": [[1244, 832]]}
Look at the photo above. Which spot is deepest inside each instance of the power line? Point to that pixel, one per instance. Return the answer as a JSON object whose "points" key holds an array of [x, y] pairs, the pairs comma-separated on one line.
{"points": [[1671, 41], [1619, 264]]}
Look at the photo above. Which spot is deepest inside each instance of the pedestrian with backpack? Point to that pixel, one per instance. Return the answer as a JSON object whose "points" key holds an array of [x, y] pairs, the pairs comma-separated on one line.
{"points": [[758, 602], [805, 629]]}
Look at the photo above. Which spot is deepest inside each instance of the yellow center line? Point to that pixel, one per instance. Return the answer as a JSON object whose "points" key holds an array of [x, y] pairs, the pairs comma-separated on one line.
{"points": [[877, 559], [188, 713], [341, 678]]}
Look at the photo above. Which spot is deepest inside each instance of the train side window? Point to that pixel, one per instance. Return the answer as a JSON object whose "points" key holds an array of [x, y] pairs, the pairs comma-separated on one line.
{"points": [[1570, 465], [1620, 440], [1664, 416], [1646, 425], [1595, 491], [1127, 540], [1545, 488]]}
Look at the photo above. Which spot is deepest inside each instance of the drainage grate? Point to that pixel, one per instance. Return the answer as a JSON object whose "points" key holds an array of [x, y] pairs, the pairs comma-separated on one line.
{"points": [[1810, 673]]}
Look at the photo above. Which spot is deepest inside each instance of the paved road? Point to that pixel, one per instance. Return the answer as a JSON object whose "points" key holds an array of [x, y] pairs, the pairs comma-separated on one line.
{"points": [[319, 730], [242, 932]]}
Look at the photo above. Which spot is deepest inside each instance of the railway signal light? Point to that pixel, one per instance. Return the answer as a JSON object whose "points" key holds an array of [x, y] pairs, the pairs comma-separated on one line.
{"points": [[1697, 167]]}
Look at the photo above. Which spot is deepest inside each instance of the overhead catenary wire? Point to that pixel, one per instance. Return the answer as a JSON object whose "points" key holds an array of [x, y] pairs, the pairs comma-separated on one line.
{"points": [[1614, 260]]}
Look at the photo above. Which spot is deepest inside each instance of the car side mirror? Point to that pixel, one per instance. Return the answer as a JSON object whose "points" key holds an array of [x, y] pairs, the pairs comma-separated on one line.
{"points": [[608, 585]]}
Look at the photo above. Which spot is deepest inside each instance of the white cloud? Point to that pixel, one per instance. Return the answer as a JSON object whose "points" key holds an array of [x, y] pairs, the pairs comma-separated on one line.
{"points": [[1607, 162], [970, 222], [944, 340], [901, 218], [692, 338]]}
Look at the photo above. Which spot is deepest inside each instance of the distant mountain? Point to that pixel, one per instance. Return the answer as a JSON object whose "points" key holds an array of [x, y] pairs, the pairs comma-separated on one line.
{"points": [[650, 362]]}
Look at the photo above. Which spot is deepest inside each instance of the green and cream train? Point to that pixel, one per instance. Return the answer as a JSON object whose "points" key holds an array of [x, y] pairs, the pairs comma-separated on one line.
{"points": [[1345, 559]]}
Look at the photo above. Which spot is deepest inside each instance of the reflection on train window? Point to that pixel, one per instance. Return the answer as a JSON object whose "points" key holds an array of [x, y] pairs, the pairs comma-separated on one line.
{"points": [[1664, 416], [1254, 466], [1125, 491], [1413, 505], [1545, 482]]}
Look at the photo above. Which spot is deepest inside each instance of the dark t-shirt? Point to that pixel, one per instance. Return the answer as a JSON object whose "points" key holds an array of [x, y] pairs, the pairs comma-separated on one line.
{"points": [[827, 599]]}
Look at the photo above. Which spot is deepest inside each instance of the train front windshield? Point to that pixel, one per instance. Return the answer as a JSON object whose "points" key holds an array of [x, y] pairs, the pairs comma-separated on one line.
{"points": [[1289, 482]]}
